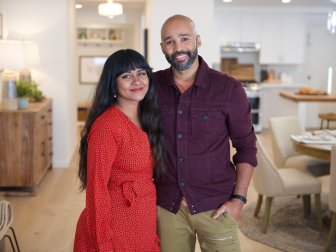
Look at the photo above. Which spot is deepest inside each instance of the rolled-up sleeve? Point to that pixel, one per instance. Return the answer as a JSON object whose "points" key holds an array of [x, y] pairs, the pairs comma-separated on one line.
{"points": [[241, 128]]}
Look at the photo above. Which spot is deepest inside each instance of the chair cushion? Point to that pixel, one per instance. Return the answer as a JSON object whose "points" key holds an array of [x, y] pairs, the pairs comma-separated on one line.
{"points": [[299, 182]]}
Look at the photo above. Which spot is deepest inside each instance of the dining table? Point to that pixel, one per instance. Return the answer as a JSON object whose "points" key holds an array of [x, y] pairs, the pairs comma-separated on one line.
{"points": [[322, 151]]}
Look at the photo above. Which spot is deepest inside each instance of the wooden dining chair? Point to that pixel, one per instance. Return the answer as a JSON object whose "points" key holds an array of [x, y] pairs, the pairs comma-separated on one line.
{"points": [[271, 182], [332, 201], [328, 117]]}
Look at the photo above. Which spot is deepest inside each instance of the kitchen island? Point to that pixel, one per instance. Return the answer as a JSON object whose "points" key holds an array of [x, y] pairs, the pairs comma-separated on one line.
{"points": [[300, 100]]}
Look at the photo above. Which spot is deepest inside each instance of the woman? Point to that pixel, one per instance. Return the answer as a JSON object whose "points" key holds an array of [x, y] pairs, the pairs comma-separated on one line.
{"points": [[120, 146]]}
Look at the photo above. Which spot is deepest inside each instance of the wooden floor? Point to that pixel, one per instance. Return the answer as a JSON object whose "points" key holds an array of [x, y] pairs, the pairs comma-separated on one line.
{"points": [[46, 222]]}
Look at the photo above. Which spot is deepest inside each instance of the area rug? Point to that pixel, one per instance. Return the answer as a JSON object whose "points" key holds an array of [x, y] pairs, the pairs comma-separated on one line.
{"points": [[288, 230]]}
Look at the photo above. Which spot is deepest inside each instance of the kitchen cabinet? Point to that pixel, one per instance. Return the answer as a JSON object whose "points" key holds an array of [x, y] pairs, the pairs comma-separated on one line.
{"points": [[238, 27], [271, 104], [283, 39], [25, 146]]}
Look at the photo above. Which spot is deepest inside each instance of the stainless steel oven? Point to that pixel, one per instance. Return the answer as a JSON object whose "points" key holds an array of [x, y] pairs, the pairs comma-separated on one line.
{"points": [[253, 95]]}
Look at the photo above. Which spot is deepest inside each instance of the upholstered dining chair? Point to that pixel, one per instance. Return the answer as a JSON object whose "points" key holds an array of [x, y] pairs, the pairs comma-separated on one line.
{"points": [[332, 201], [284, 154], [6, 220], [271, 182]]}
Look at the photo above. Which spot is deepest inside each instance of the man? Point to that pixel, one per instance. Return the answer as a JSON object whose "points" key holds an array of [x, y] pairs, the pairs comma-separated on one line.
{"points": [[201, 109]]}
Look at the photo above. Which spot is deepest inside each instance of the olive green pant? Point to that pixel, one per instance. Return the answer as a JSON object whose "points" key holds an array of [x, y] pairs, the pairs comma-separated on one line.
{"points": [[178, 232]]}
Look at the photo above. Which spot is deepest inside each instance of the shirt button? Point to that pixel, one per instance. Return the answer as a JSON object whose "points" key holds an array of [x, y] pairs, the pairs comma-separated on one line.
{"points": [[182, 184], [205, 117], [179, 112], [180, 159], [179, 135]]}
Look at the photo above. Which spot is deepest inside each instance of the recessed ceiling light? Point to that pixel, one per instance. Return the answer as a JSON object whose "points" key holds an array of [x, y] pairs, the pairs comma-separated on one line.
{"points": [[286, 1], [227, 1], [78, 6]]}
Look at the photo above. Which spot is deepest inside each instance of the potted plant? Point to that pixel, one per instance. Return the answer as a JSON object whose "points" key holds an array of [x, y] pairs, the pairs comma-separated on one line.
{"points": [[23, 91]]}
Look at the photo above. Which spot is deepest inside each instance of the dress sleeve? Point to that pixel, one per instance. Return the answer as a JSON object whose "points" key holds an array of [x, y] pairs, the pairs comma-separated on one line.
{"points": [[102, 150], [240, 126]]}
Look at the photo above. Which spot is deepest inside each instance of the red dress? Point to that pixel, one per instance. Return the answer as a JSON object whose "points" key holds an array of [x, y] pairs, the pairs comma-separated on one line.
{"points": [[120, 212]]}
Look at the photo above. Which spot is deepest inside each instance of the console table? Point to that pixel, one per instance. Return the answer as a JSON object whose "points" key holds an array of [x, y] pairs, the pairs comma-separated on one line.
{"points": [[25, 146]]}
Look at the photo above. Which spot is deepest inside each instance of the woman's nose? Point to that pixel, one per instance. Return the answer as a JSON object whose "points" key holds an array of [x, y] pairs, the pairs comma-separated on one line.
{"points": [[136, 80]]}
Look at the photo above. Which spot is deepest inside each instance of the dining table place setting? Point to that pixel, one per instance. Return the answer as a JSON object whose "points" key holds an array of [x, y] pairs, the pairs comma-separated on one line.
{"points": [[316, 137]]}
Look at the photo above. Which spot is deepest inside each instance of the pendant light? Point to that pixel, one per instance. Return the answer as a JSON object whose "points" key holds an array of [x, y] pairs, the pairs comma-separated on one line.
{"points": [[110, 9]]}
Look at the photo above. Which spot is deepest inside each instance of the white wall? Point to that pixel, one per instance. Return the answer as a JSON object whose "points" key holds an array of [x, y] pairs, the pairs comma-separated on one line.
{"points": [[320, 54], [132, 25], [200, 11], [50, 24]]}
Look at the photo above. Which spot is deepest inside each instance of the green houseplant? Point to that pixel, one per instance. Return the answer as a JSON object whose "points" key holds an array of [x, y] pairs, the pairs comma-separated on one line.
{"points": [[27, 91], [23, 91]]}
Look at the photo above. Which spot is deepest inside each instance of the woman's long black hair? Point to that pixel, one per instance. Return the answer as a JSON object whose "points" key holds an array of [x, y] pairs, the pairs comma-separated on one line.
{"points": [[105, 96]]}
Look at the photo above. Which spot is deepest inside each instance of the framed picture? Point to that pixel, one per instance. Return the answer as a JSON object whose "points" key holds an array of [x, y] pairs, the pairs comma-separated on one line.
{"points": [[0, 26], [90, 68]]}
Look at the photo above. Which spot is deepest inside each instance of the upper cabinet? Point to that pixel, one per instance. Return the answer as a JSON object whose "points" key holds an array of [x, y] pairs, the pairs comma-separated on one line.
{"points": [[234, 27], [92, 34], [283, 39]]}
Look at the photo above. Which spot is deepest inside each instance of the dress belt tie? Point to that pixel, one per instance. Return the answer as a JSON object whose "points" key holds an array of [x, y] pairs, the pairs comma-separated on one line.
{"points": [[129, 193]]}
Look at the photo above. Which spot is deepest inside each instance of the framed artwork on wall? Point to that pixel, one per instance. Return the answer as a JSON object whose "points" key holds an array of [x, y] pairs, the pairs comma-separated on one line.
{"points": [[90, 68]]}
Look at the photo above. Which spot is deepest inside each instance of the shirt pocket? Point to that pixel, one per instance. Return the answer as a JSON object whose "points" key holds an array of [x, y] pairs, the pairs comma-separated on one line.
{"points": [[207, 122]]}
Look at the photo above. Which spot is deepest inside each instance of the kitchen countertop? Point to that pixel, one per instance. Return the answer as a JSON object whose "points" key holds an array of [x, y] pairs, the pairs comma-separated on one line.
{"points": [[308, 98]]}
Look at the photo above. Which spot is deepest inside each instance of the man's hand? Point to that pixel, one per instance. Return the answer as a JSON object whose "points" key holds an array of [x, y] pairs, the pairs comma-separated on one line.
{"points": [[232, 207]]}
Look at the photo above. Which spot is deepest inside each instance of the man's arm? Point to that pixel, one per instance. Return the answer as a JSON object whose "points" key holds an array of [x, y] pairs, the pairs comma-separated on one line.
{"points": [[234, 206]]}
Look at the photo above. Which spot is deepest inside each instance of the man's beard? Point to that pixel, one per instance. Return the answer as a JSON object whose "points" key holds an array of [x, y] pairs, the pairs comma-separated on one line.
{"points": [[179, 66]]}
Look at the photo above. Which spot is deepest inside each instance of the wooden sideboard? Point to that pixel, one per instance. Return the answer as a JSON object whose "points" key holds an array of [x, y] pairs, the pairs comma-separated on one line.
{"points": [[25, 146]]}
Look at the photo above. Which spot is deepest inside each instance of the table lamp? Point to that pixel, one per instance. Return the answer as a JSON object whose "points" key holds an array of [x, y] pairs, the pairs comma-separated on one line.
{"points": [[15, 55]]}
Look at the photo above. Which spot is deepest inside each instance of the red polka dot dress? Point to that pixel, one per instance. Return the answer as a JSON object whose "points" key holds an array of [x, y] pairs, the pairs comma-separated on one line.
{"points": [[120, 211]]}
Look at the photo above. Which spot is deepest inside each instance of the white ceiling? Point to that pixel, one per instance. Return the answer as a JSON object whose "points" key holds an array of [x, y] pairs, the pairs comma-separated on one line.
{"points": [[234, 3], [277, 3]]}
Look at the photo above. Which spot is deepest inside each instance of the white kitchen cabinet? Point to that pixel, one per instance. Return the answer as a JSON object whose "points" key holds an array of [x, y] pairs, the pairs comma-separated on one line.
{"points": [[271, 104], [238, 27], [283, 39]]}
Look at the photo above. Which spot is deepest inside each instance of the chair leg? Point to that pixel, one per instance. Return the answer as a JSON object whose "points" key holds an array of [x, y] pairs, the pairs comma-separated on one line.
{"points": [[306, 205], [332, 233], [318, 211], [10, 240], [258, 206], [267, 214], [15, 239], [321, 127]]}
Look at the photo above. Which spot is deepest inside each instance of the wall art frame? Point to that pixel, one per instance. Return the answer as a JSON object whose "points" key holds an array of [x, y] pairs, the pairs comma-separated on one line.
{"points": [[90, 68]]}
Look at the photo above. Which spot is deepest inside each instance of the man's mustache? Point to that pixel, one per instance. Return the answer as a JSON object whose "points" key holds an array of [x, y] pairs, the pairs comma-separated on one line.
{"points": [[175, 54]]}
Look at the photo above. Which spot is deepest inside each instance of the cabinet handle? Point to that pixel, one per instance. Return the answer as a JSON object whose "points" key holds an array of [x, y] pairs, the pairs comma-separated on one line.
{"points": [[42, 117]]}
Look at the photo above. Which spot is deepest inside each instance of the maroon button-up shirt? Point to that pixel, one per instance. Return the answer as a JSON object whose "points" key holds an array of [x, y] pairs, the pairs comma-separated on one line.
{"points": [[197, 126]]}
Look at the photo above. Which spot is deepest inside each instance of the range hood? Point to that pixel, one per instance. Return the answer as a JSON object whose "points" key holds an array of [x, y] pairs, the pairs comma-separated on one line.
{"points": [[240, 47]]}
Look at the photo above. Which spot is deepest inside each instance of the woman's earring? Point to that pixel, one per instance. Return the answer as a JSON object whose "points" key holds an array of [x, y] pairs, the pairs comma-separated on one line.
{"points": [[115, 95]]}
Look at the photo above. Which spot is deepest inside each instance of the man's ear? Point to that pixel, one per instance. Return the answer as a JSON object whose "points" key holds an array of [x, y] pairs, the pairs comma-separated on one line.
{"points": [[198, 41], [161, 47]]}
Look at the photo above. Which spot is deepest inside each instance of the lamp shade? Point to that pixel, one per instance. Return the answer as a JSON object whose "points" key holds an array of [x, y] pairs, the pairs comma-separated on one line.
{"points": [[18, 54], [110, 9]]}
